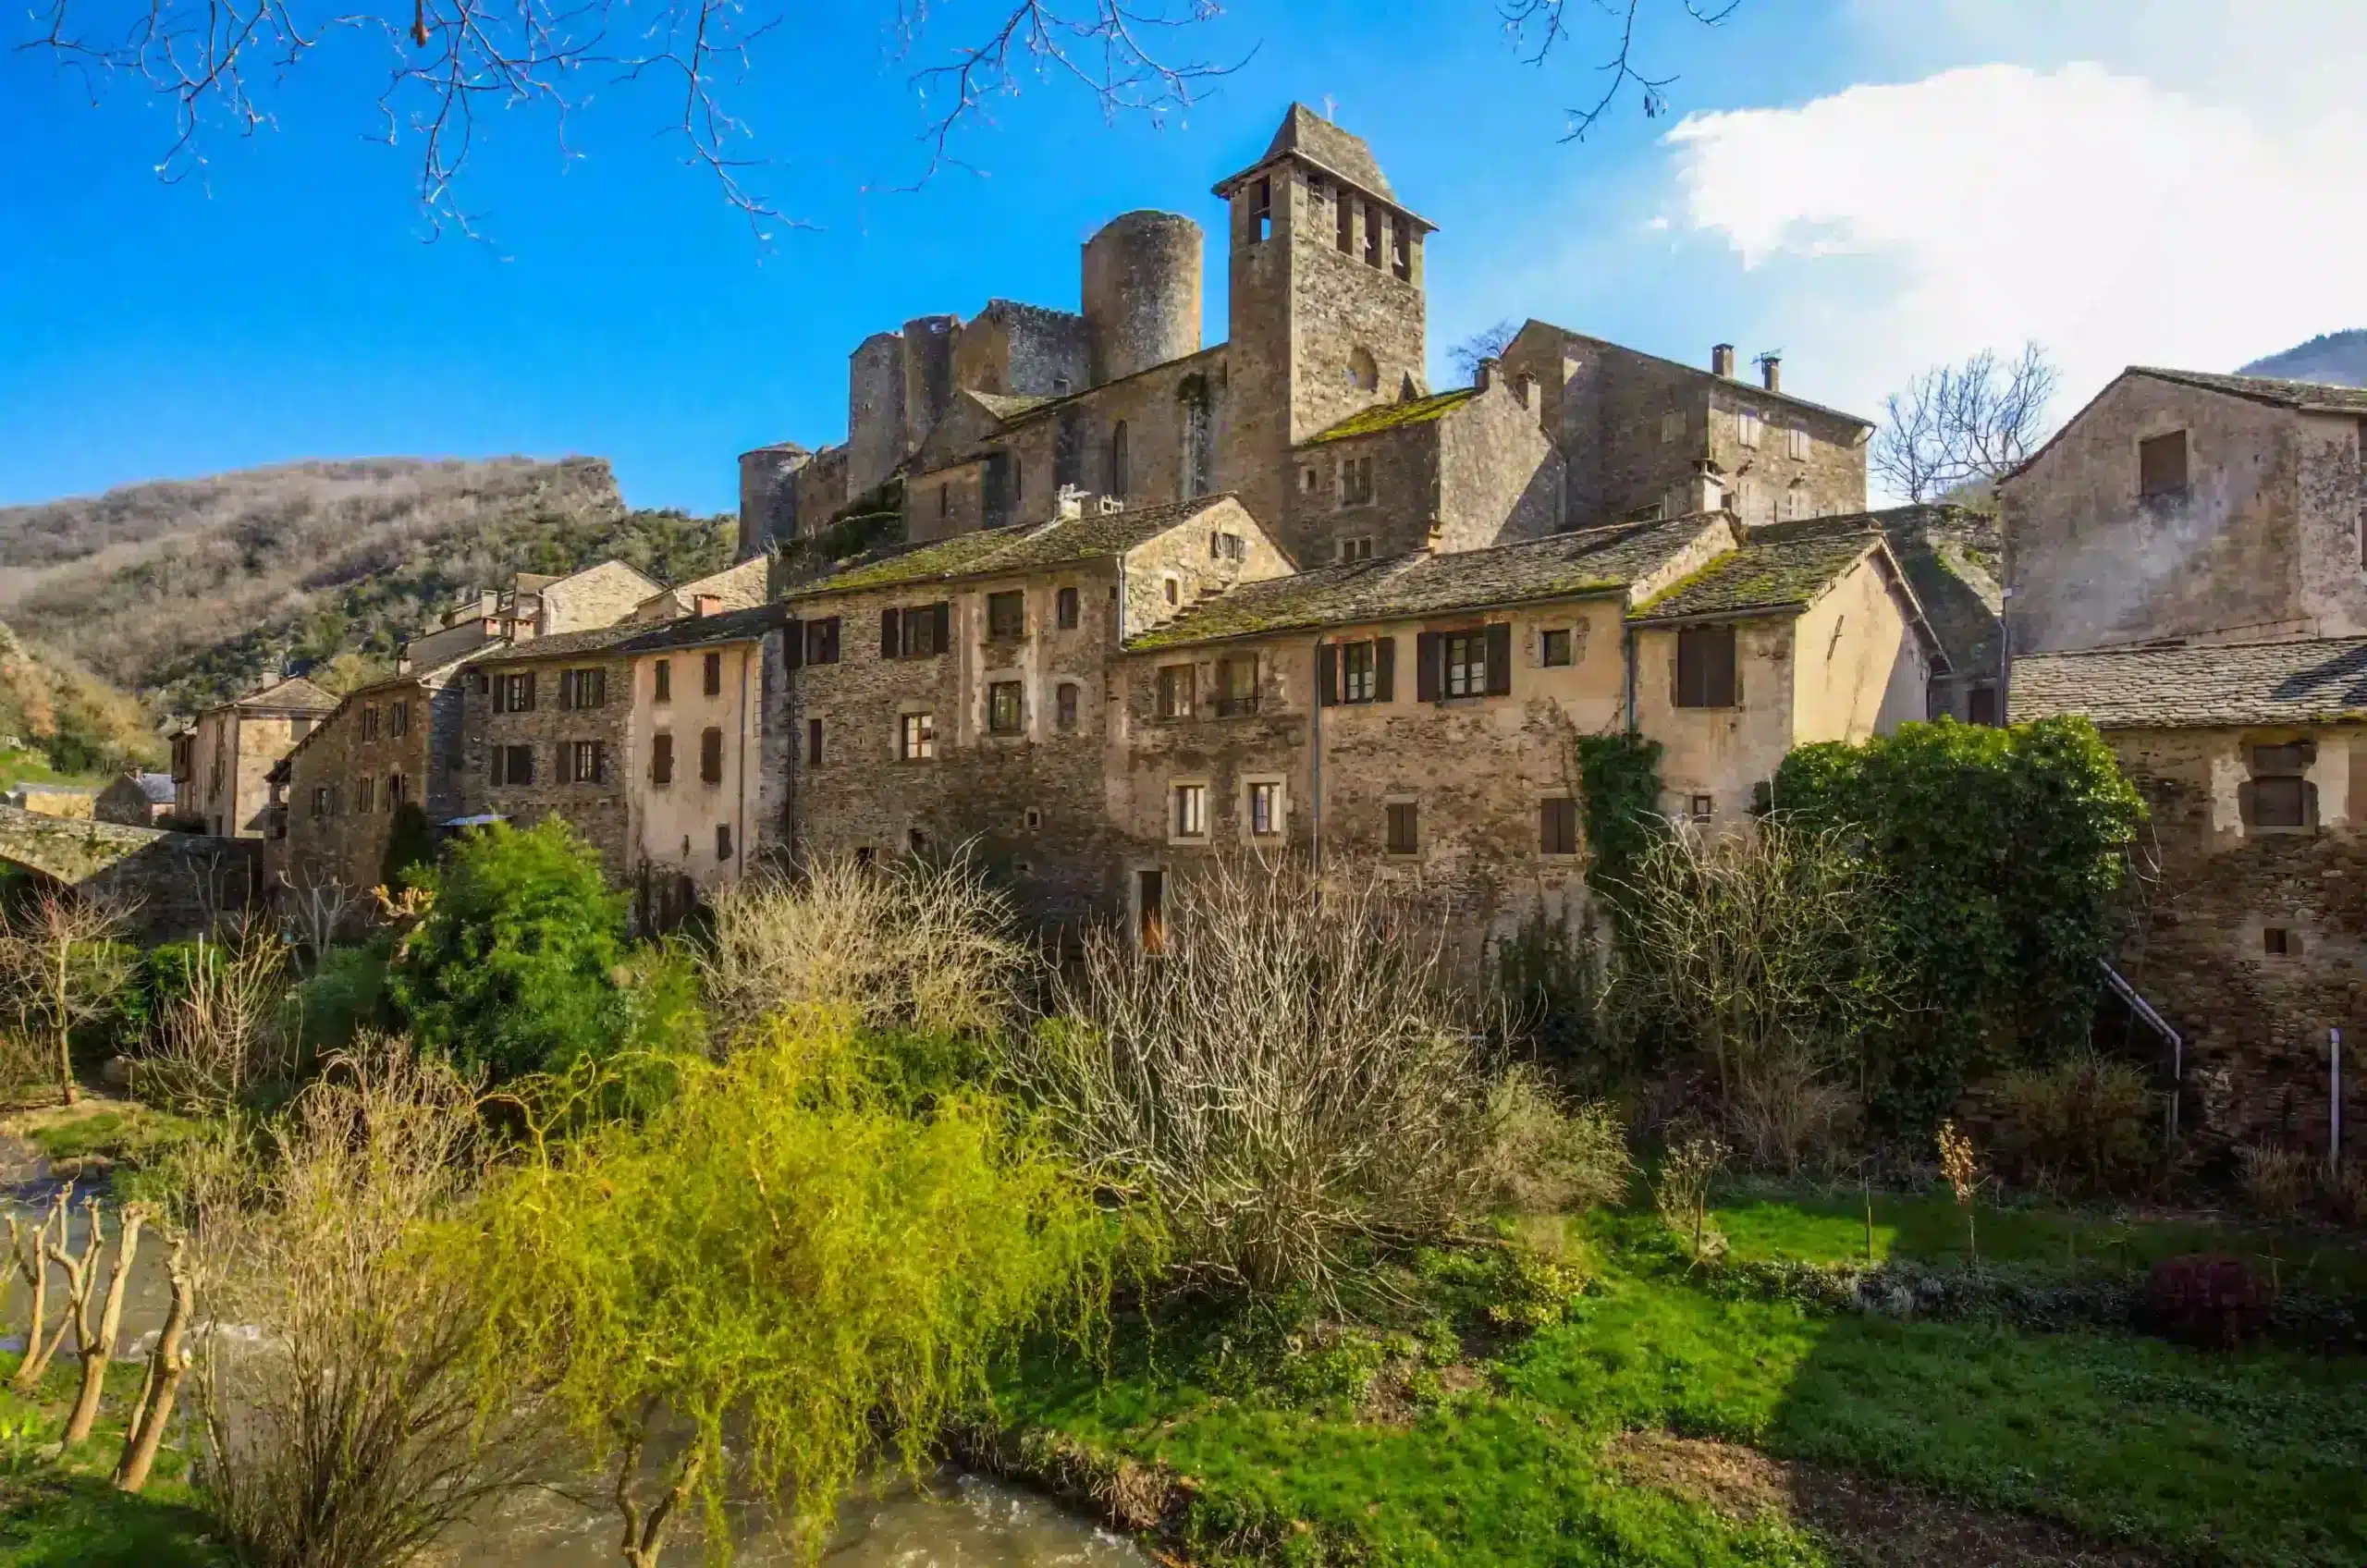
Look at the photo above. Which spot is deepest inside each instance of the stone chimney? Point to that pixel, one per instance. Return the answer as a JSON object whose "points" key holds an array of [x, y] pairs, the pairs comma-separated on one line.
{"points": [[707, 603], [1485, 376], [1771, 371], [1721, 360]]}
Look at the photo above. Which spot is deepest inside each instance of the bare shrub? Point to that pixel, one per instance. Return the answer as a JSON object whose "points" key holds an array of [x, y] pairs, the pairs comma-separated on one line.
{"points": [[1763, 947], [911, 944], [60, 966], [1290, 1074], [2084, 1125], [2274, 1177], [347, 1435], [1680, 1193], [2346, 1191], [1539, 1157], [221, 1034]]}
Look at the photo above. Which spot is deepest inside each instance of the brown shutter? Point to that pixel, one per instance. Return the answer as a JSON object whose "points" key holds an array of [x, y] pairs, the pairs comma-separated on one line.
{"points": [[711, 674], [529, 705], [711, 755], [943, 611], [1500, 659], [1327, 675], [793, 643], [888, 634], [1426, 667], [1384, 669], [661, 758], [494, 764]]}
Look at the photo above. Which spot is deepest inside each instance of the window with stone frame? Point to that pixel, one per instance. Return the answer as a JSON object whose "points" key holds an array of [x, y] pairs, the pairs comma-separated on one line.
{"points": [[812, 742], [1361, 671], [1705, 666], [1355, 482], [661, 680], [916, 737], [1795, 444], [583, 688], [1554, 646], [320, 799], [514, 692], [1237, 686], [1465, 664], [369, 721], [1006, 710], [2278, 793], [582, 762], [915, 632], [1064, 609], [512, 764], [365, 794], [1187, 811], [1402, 823], [822, 641], [1261, 210], [1356, 548], [398, 718], [1007, 613], [398, 789], [1064, 706], [1747, 427], [1264, 797], [1176, 692], [2162, 466]]}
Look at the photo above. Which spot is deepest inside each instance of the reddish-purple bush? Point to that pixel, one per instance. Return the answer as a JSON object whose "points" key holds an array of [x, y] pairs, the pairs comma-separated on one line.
{"points": [[2209, 1299]]}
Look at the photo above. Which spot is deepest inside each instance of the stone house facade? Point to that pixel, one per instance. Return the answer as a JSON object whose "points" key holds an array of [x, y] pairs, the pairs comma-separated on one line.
{"points": [[2252, 932], [545, 729], [697, 802], [2180, 505], [531, 605], [137, 800], [387, 745], [222, 762]]}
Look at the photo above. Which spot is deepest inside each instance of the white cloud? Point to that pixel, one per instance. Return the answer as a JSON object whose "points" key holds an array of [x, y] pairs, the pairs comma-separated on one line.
{"points": [[2113, 219]]}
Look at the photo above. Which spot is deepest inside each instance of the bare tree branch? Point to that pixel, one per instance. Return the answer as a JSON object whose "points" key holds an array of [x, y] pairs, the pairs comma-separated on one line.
{"points": [[1546, 23], [1488, 343], [1956, 427]]}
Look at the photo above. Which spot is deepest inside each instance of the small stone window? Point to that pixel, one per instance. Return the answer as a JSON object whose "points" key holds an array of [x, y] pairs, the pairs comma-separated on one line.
{"points": [[1747, 427], [2277, 941], [822, 641], [812, 742], [1188, 814], [1308, 479], [512, 764], [362, 797], [398, 718], [1698, 808], [2277, 794], [916, 737], [723, 840], [1005, 707], [1064, 706], [1261, 212], [1173, 591], [1175, 691], [1237, 686], [944, 500], [1265, 798], [1364, 370], [661, 678], [1358, 548], [585, 688], [1795, 442], [1007, 613], [2162, 466], [582, 762], [1404, 827], [1355, 482], [1557, 825], [320, 799], [1372, 235], [1553, 647], [1064, 609], [370, 721]]}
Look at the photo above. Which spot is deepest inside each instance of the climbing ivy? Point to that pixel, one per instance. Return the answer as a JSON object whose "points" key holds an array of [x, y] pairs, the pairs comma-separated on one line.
{"points": [[2007, 852], [1619, 788]]}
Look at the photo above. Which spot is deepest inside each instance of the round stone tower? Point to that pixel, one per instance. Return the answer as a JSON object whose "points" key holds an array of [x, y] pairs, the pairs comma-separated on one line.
{"points": [[1142, 294]]}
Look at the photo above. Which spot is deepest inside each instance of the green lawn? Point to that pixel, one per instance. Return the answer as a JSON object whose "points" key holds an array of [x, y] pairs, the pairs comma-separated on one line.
{"points": [[2259, 1457], [62, 1513]]}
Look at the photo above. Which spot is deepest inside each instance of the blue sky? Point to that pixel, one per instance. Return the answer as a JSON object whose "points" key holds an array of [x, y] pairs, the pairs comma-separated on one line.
{"points": [[1868, 185]]}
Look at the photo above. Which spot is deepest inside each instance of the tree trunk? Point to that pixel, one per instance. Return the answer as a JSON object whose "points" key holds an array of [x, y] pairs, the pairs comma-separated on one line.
{"points": [[645, 1539], [144, 1434], [72, 1090], [97, 1350], [38, 1355]]}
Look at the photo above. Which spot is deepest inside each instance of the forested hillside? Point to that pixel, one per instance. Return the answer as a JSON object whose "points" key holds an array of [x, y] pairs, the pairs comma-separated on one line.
{"points": [[59, 722], [185, 590], [2339, 359]]}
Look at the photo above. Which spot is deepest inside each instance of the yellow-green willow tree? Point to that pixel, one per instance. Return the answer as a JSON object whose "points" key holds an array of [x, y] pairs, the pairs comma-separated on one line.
{"points": [[786, 1250]]}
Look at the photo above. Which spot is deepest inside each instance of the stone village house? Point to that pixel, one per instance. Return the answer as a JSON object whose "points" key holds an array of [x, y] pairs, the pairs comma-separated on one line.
{"points": [[2187, 560], [222, 761]]}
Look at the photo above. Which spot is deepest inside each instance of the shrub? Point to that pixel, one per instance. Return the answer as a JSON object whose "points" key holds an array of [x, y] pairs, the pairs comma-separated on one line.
{"points": [[1539, 1157], [1681, 1194], [912, 944], [2084, 1125], [2274, 1177], [1289, 1074], [2346, 1191], [221, 1034], [409, 842], [344, 994], [2208, 1299], [512, 969]]}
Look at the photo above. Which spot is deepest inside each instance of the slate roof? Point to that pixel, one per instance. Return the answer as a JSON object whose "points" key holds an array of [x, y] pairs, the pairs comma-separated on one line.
{"points": [[697, 630], [156, 787], [1738, 387], [1023, 546], [2311, 394], [1961, 601], [1596, 560], [1780, 566], [2320, 681], [294, 692], [1389, 416], [1316, 139], [1009, 406], [562, 644]]}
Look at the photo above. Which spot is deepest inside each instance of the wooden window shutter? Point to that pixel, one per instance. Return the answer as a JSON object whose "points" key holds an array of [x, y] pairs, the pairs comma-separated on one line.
{"points": [[500, 755], [1327, 675], [569, 687], [711, 755], [887, 633], [527, 692], [661, 758], [943, 612], [1500, 659], [1384, 669], [793, 643], [1426, 667]]}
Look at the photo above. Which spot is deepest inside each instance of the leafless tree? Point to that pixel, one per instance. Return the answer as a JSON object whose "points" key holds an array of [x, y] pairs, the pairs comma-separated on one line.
{"points": [[315, 909], [221, 1034], [168, 1363], [1962, 425], [449, 64], [28, 1250], [1488, 343], [59, 967], [1537, 26], [95, 1336]]}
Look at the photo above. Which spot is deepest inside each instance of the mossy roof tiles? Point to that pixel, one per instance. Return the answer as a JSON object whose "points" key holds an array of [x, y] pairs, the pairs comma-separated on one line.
{"points": [[2320, 681], [1597, 560], [1778, 567], [2316, 395], [1026, 546], [1390, 416], [1961, 601], [562, 644]]}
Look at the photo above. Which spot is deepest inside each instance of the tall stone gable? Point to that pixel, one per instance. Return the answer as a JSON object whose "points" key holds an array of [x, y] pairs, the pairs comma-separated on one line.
{"points": [[1326, 308]]}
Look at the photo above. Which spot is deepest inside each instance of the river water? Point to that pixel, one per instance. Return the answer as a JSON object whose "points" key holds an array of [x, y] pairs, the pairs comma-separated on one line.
{"points": [[954, 1519]]}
